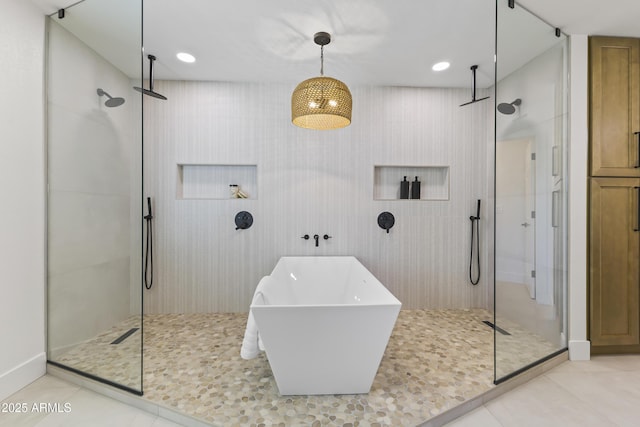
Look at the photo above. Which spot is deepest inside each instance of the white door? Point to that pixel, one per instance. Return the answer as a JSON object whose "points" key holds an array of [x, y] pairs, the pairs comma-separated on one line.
{"points": [[515, 223]]}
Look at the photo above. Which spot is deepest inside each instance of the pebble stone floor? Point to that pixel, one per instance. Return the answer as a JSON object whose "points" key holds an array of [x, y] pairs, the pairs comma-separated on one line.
{"points": [[435, 360]]}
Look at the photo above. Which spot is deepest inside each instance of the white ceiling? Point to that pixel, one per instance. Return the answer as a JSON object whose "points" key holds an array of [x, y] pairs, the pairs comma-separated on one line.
{"points": [[375, 42], [590, 17]]}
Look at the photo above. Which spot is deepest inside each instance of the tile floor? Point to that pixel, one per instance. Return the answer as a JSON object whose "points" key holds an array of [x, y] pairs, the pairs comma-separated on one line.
{"points": [[601, 392], [85, 408], [435, 360]]}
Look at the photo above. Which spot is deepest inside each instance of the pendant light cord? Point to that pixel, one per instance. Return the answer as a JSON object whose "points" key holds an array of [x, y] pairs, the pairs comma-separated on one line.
{"points": [[322, 60]]}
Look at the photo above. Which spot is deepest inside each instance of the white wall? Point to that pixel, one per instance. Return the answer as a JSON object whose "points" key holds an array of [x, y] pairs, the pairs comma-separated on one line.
{"points": [[93, 166], [314, 182], [22, 212], [579, 346]]}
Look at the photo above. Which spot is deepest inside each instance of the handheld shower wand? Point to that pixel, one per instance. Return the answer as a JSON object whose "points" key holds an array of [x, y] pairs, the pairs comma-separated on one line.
{"points": [[148, 256], [475, 235]]}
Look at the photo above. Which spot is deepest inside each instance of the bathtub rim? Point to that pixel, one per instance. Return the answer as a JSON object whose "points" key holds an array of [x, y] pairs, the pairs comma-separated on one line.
{"points": [[392, 301]]}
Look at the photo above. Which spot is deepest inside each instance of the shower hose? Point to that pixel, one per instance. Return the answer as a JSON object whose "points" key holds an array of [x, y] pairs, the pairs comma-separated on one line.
{"points": [[148, 255], [475, 236]]}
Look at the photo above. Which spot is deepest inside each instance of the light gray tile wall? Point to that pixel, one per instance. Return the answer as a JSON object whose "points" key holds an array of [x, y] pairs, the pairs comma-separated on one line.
{"points": [[314, 182]]}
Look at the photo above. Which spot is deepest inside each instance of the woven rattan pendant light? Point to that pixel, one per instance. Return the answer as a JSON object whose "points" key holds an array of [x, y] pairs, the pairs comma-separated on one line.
{"points": [[321, 102]]}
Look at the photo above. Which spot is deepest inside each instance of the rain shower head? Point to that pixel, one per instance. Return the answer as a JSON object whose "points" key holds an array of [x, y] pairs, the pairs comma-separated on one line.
{"points": [[150, 91], [111, 102], [474, 68], [509, 108]]}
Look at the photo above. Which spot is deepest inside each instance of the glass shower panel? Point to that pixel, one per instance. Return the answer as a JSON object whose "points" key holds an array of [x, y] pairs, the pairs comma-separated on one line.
{"points": [[94, 147], [530, 185]]}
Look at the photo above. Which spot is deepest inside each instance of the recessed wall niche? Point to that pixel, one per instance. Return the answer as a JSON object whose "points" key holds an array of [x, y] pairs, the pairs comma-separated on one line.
{"points": [[212, 182], [434, 181]]}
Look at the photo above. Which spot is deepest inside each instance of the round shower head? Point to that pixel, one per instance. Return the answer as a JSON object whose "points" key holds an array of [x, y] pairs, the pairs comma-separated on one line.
{"points": [[509, 108], [114, 102], [111, 102], [150, 93]]}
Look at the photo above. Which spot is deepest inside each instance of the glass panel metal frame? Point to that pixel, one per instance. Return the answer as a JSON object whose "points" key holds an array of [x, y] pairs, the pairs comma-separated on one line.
{"points": [[530, 132]]}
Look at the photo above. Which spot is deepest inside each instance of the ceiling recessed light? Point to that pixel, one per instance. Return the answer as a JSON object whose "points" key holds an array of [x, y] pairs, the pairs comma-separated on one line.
{"points": [[440, 66], [186, 57]]}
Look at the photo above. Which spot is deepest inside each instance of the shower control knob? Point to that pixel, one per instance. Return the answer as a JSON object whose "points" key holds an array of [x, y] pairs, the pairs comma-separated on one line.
{"points": [[243, 220], [305, 237], [326, 237], [386, 220]]}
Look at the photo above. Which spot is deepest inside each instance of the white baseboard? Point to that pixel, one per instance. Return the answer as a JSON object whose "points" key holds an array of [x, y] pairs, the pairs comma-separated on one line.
{"points": [[22, 375], [579, 350]]}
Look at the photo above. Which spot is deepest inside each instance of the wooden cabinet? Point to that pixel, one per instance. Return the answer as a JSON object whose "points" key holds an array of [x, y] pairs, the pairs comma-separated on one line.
{"points": [[614, 262], [614, 235], [614, 106]]}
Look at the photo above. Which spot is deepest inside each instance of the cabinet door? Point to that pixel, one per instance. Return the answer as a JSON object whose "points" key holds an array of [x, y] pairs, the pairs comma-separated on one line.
{"points": [[614, 251], [615, 106]]}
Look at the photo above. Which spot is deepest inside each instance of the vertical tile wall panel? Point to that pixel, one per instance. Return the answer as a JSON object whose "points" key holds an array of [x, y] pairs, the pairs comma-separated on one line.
{"points": [[313, 182]]}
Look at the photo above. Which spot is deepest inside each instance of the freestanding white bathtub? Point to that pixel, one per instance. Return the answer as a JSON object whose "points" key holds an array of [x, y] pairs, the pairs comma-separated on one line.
{"points": [[325, 323]]}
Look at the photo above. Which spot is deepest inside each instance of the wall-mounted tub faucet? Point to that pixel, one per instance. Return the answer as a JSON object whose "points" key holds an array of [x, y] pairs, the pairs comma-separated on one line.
{"points": [[316, 237]]}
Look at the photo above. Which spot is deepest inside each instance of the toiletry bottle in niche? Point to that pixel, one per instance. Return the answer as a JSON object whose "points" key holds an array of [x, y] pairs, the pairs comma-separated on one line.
{"points": [[415, 189], [404, 189]]}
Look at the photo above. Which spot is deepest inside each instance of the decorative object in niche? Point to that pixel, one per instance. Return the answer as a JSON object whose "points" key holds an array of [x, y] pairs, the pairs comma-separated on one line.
{"points": [[212, 182], [321, 103], [236, 192], [243, 220], [386, 221]]}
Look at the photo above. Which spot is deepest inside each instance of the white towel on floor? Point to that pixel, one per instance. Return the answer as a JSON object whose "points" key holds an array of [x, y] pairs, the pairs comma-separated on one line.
{"points": [[252, 344]]}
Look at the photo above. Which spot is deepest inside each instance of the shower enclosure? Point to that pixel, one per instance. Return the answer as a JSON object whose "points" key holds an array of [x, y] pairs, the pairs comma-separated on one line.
{"points": [[207, 133], [94, 205], [530, 191]]}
